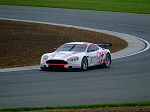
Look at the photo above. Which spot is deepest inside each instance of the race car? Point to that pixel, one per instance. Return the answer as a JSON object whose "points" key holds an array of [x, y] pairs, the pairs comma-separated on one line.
{"points": [[79, 55]]}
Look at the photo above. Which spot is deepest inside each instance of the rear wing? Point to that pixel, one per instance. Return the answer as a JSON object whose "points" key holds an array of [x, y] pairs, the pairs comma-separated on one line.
{"points": [[104, 44]]}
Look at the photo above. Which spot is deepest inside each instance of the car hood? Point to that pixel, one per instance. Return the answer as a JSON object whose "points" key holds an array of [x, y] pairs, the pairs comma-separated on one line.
{"points": [[63, 55]]}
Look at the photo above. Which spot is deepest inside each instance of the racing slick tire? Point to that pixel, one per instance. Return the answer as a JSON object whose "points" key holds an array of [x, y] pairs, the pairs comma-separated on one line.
{"points": [[43, 68], [107, 60], [84, 64]]}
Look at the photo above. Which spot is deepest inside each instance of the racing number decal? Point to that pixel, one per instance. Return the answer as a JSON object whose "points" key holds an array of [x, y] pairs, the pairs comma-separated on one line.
{"points": [[92, 59]]}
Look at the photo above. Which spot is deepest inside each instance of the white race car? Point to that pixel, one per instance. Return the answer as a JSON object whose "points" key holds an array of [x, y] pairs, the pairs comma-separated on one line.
{"points": [[77, 55]]}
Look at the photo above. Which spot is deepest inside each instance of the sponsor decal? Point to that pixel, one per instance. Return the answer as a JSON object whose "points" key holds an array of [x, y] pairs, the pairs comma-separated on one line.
{"points": [[53, 55], [76, 66], [75, 52], [66, 56]]}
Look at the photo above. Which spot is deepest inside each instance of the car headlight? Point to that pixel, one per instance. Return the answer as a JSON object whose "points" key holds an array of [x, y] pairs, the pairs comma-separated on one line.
{"points": [[45, 57], [76, 58]]}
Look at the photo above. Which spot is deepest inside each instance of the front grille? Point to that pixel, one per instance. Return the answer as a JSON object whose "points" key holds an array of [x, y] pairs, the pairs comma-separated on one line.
{"points": [[56, 62]]}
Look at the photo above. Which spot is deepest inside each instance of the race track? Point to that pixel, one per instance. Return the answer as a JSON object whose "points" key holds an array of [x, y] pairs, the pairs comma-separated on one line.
{"points": [[127, 80]]}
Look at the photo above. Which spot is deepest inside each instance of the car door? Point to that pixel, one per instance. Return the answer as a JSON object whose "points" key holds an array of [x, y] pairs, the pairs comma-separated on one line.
{"points": [[92, 54]]}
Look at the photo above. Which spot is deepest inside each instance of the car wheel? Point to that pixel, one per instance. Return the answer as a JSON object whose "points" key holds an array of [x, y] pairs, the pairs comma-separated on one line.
{"points": [[107, 60], [84, 64], [43, 68]]}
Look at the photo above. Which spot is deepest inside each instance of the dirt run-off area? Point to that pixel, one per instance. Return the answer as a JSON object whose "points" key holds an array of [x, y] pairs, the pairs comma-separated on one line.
{"points": [[23, 43], [106, 109]]}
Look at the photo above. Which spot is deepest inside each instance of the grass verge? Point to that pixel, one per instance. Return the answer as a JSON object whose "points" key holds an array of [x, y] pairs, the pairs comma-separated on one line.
{"points": [[134, 104], [130, 6], [23, 43]]}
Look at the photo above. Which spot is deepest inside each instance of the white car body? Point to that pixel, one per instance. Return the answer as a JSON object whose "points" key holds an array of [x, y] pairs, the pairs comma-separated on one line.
{"points": [[73, 59]]}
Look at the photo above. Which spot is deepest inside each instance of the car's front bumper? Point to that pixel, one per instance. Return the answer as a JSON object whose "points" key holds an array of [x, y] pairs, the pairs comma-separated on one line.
{"points": [[69, 65]]}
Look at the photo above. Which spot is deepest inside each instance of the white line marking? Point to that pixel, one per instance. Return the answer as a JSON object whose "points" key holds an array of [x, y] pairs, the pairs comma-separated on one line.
{"points": [[147, 45]]}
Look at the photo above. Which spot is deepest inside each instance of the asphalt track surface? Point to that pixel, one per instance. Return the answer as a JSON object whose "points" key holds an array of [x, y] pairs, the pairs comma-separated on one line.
{"points": [[127, 80]]}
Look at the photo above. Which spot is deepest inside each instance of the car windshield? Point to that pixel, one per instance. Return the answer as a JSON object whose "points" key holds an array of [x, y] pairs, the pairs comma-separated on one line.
{"points": [[73, 47]]}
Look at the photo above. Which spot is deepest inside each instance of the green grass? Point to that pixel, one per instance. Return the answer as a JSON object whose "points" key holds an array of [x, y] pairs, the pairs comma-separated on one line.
{"points": [[130, 6], [79, 106]]}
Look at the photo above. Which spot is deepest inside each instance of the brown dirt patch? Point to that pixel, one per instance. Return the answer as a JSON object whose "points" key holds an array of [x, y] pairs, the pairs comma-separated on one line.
{"points": [[23, 43], [109, 109]]}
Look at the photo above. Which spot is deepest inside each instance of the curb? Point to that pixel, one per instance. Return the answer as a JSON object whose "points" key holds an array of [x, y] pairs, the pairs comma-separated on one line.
{"points": [[135, 45]]}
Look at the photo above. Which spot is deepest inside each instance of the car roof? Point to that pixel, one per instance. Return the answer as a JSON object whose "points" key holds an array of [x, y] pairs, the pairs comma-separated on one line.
{"points": [[85, 43]]}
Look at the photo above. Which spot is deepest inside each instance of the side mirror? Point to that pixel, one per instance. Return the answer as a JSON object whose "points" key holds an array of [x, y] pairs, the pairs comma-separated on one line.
{"points": [[55, 49]]}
